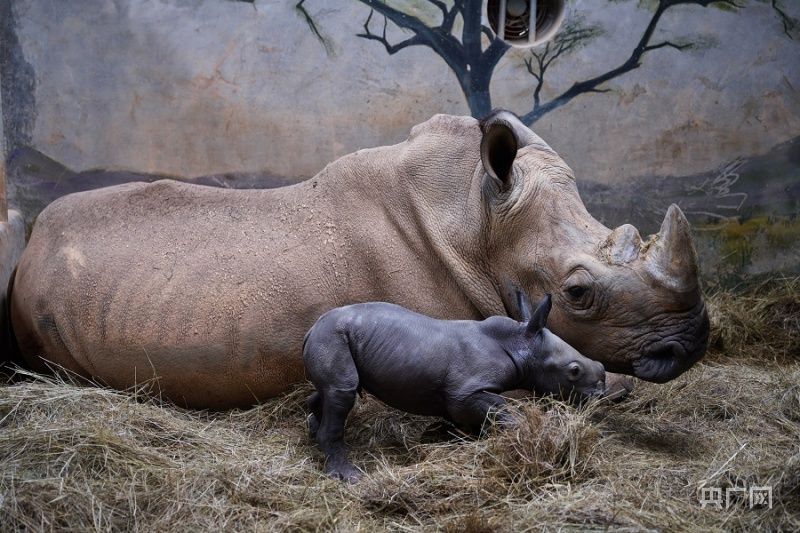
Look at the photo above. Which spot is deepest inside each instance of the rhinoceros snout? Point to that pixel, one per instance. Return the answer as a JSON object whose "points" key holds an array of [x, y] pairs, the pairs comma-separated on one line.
{"points": [[669, 358]]}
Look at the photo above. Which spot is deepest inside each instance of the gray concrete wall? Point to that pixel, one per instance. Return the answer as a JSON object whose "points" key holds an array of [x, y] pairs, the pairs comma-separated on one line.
{"points": [[200, 87]]}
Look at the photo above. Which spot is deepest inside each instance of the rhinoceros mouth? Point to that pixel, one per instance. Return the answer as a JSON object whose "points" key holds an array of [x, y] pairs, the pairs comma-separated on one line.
{"points": [[661, 362], [664, 361], [668, 358]]}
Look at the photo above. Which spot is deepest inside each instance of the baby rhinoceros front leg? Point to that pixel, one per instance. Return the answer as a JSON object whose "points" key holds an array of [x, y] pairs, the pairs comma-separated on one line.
{"points": [[471, 413]]}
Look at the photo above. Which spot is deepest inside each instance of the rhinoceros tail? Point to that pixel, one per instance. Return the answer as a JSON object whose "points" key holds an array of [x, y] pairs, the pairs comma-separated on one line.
{"points": [[8, 342], [12, 243]]}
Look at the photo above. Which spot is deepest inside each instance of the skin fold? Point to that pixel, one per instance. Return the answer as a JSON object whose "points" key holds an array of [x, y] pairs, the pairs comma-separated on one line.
{"points": [[455, 369]]}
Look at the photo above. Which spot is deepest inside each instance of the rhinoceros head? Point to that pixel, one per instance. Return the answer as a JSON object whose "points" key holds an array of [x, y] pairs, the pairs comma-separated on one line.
{"points": [[635, 305]]}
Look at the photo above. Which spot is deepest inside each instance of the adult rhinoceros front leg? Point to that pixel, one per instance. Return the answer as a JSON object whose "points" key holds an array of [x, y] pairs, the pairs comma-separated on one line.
{"points": [[618, 386]]}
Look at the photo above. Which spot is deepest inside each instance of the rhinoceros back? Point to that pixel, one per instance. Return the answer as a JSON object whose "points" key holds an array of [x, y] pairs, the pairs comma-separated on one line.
{"points": [[165, 279]]}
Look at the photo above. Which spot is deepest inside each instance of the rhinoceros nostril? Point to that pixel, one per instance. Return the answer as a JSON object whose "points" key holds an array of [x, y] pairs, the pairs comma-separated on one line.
{"points": [[671, 350]]}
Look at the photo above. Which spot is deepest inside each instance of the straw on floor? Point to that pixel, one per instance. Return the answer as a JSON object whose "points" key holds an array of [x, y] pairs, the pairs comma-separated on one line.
{"points": [[76, 457]]}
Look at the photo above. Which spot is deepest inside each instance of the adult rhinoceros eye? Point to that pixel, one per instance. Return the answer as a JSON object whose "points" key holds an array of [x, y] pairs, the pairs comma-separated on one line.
{"points": [[576, 292]]}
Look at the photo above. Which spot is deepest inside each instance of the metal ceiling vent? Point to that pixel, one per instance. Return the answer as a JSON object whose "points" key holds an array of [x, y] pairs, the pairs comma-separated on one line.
{"points": [[525, 22]]}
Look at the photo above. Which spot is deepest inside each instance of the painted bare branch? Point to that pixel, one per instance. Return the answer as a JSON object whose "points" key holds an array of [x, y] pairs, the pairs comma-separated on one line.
{"points": [[473, 55], [790, 24], [633, 61], [472, 64], [313, 27], [574, 35], [390, 48], [437, 38]]}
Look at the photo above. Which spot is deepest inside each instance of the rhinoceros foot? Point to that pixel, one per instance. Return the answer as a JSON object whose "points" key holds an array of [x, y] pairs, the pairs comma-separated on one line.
{"points": [[342, 470], [618, 387], [313, 426]]}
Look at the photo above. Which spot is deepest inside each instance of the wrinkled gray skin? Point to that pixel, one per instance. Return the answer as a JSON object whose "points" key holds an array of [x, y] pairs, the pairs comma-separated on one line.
{"points": [[455, 369]]}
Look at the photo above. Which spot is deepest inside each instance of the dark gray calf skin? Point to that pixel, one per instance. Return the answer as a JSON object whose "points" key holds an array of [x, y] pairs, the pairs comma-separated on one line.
{"points": [[455, 369]]}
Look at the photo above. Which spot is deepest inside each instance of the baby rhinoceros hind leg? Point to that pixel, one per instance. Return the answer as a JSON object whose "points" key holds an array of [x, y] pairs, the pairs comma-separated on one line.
{"points": [[336, 405], [330, 366]]}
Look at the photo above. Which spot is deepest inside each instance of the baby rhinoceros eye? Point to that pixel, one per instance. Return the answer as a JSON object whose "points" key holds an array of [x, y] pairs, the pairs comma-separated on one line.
{"points": [[574, 371]]}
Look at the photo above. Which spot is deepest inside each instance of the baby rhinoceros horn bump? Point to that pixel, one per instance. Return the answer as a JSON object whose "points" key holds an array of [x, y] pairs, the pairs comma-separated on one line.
{"points": [[672, 258], [622, 245]]}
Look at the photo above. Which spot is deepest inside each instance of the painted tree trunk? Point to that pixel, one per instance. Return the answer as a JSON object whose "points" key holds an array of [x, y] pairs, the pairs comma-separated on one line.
{"points": [[476, 91]]}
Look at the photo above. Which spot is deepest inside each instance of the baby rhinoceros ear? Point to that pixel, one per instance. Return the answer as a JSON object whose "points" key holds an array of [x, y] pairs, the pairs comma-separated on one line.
{"points": [[539, 319], [523, 306]]}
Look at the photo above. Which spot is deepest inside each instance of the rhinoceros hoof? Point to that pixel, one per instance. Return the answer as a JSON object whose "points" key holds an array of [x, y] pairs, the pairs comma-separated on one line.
{"points": [[618, 387], [313, 426], [343, 472]]}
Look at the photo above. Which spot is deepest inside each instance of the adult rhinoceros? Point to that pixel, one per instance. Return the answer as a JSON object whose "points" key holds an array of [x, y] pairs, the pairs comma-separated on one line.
{"points": [[212, 290]]}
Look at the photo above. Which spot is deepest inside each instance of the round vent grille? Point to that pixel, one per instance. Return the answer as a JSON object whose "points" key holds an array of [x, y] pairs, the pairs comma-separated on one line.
{"points": [[518, 18]]}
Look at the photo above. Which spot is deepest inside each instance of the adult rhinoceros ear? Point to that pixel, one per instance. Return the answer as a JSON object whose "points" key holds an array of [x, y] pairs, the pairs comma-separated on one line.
{"points": [[622, 245], [539, 319], [499, 147]]}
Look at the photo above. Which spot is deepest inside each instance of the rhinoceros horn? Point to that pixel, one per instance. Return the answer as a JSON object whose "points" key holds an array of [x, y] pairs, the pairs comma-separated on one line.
{"points": [[622, 245], [671, 258]]}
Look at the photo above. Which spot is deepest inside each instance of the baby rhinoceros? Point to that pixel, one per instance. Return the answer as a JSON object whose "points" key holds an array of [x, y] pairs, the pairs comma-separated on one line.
{"points": [[454, 369]]}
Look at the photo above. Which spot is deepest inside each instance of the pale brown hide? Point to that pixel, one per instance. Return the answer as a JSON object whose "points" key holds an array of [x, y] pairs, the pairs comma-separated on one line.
{"points": [[211, 290]]}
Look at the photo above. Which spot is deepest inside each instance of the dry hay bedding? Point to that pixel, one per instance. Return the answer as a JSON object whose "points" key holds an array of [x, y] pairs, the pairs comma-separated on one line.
{"points": [[89, 458]]}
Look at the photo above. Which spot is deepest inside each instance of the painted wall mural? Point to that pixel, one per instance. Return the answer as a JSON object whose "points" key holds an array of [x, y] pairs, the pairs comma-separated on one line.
{"points": [[650, 102], [473, 61]]}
